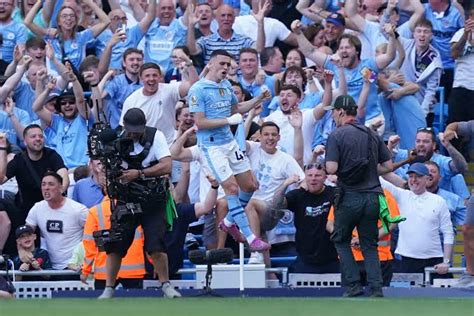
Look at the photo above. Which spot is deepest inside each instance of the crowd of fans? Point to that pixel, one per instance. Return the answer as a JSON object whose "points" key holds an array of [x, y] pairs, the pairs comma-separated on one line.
{"points": [[67, 64]]}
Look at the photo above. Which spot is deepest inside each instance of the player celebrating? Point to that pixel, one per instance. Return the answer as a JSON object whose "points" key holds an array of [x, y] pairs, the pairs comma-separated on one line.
{"points": [[215, 107]]}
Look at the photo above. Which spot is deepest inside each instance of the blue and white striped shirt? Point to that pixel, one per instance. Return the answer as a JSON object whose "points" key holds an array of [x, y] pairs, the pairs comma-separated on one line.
{"points": [[233, 45]]}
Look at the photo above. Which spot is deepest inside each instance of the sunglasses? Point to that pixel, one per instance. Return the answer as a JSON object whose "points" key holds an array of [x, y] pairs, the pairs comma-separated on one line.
{"points": [[317, 165], [426, 130], [65, 102]]}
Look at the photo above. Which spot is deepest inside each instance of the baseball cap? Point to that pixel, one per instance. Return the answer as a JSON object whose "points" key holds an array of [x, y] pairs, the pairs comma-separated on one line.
{"points": [[52, 96], [24, 229], [342, 102], [68, 93], [134, 120], [419, 168], [336, 19]]}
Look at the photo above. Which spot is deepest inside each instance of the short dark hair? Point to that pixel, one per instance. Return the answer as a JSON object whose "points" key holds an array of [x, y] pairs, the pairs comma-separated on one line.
{"points": [[31, 126], [180, 109], [424, 23], [247, 95], [146, 66], [184, 48], [351, 111], [432, 163], [291, 87], [269, 124], [221, 52], [427, 130], [54, 175], [266, 54], [298, 69], [89, 61], [353, 40], [81, 172], [132, 50], [248, 50], [35, 42], [236, 84]]}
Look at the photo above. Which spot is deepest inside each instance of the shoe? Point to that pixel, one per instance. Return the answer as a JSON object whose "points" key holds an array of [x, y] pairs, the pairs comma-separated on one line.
{"points": [[376, 292], [466, 280], [255, 258], [107, 294], [169, 291], [354, 291], [233, 231], [258, 245]]}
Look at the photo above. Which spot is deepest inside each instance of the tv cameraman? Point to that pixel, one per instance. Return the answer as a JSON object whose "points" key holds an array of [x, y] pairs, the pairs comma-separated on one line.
{"points": [[147, 161]]}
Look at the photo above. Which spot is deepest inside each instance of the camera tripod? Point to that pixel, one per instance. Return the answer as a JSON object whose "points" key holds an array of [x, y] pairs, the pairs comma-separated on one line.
{"points": [[6, 260], [207, 290]]}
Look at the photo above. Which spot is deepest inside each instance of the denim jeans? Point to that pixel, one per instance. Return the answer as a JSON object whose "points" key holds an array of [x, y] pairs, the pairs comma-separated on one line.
{"points": [[361, 211]]}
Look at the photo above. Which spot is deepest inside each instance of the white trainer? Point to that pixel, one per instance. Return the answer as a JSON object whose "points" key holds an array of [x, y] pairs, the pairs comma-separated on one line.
{"points": [[107, 294], [169, 291], [255, 258]]}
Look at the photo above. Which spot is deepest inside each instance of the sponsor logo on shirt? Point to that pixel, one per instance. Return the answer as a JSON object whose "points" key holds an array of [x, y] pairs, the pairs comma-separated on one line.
{"points": [[317, 210], [219, 105], [54, 226]]}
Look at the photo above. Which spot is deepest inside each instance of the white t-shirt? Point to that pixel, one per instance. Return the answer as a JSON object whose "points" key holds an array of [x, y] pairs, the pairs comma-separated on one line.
{"points": [[194, 174], [274, 29], [61, 229], [426, 215], [271, 170], [158, 150], [370, 39], [464, 64], [287, 132], [159, 108]]}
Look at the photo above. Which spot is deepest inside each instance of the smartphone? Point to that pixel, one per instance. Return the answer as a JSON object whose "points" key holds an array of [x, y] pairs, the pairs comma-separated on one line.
{"points": [[368, 74]]}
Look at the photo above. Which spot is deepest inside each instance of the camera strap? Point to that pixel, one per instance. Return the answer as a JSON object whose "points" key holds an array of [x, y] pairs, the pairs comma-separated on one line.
{"points": [[135, 162]]}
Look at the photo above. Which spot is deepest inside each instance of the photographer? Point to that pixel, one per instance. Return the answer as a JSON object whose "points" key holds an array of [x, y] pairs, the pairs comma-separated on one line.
{"points": [[144, 163]]}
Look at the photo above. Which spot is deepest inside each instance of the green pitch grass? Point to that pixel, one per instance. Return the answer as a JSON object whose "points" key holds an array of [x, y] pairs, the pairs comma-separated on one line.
{"points": [[239, 306]]}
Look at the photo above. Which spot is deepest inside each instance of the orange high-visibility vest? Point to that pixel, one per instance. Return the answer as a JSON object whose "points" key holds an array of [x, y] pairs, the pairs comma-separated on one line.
{"points": [[384, 243], [133, 264]]}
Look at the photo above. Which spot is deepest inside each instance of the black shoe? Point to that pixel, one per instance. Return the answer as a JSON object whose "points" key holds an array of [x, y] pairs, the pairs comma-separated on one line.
{"points": [[376, 292], [354, 291]]}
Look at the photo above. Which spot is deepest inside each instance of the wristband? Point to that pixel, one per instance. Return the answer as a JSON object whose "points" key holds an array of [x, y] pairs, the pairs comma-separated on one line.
{"points": [[215, 187], [10, 114], [3, 148], [93, 85]]}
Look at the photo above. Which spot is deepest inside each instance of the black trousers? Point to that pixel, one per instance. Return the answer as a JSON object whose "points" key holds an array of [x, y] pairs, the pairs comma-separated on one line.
{"points": [[386, 268], [413, 265], [358, 210], [460, 105]]}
